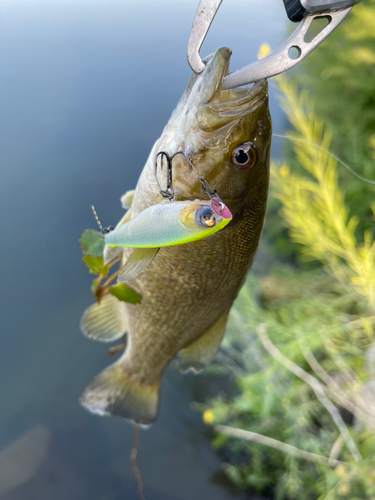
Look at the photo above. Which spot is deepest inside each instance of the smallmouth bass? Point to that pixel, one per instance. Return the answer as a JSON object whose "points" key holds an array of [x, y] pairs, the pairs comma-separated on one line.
{"points": [[187, 291]]}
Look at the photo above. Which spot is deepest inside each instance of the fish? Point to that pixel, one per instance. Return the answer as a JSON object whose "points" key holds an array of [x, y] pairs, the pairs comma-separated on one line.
{"points": [[188, 290]]}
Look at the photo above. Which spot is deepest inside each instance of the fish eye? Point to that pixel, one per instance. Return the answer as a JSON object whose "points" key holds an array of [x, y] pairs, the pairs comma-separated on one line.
{"points": [[207, 218], [244, 156]]}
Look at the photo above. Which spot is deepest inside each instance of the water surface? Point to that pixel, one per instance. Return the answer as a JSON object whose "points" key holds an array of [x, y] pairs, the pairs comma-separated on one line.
{"points": [[85, 89]]}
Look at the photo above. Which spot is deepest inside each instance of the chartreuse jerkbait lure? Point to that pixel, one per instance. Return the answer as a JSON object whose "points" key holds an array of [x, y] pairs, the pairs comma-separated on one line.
{"points": [[163, 225]]}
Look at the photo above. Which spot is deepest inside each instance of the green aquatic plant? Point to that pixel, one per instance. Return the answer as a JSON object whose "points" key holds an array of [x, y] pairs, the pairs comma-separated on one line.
{"points": [[313, 206], [300, 343], [340, 77]]}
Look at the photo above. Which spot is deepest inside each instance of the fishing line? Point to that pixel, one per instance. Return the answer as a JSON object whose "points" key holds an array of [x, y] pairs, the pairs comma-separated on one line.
{"points": [[291, 138], [104, 231], [96, 217], [133, 462], [205, 186]]}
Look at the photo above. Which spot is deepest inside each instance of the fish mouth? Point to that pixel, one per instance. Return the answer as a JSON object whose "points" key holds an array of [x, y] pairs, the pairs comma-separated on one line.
{"points": [[207, 107], [206, 86], [208, 118], [226, 106]]}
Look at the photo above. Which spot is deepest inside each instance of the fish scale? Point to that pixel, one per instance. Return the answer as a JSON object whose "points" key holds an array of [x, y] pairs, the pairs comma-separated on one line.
{"points": [[199, 313]]}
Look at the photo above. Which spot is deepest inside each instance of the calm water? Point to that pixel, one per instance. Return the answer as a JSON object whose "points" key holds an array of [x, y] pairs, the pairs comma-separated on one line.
{"points": [[85, 89]]}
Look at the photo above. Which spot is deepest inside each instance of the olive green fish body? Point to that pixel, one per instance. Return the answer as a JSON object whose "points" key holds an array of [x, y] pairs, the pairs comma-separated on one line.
{"points": [[193, 286], [188, 290]]}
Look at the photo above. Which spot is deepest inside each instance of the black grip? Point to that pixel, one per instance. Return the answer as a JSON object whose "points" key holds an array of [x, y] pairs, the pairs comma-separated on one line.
{"points": [[294, 10]]}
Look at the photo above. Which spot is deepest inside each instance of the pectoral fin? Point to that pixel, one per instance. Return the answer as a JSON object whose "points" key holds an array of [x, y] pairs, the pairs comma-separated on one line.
{"points": [[127, 199], [200, 353], [111, 253], [138, 262], [105, 321]]}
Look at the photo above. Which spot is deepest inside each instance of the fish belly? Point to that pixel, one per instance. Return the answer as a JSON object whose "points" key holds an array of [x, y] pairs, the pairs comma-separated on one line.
{"points": [[185, 291]]}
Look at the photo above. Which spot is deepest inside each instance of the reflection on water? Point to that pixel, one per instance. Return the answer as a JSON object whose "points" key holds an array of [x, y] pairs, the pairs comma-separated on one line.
{"points": [[85, 89], [21, 460]]}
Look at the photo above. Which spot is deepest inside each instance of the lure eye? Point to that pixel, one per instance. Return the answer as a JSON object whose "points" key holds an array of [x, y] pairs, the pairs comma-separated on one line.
{"points": [[207, 218], [244, 156]]}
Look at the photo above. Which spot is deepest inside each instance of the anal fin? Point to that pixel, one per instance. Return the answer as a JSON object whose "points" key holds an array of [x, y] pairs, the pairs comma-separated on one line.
{"points": [[138, 262], [200, 353]]}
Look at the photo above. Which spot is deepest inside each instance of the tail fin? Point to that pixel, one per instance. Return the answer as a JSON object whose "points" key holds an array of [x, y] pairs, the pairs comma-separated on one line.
{"points": [[113, 392]]}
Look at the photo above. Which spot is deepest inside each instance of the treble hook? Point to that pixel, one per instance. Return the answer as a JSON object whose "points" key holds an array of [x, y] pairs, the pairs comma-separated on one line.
{"points": [[205, 186], [169, 192], [211, 192]]}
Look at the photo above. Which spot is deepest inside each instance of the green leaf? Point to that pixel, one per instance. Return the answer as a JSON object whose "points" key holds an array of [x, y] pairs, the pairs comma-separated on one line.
{"points": [[96, 265], [94, 285], [124, 293], [92, 243]]}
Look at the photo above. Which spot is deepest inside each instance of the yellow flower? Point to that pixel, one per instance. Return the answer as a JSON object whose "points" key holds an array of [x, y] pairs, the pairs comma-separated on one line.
{"points": [[343, 489], [284, 170], [263, 51], [208, 417], [340, 470]]}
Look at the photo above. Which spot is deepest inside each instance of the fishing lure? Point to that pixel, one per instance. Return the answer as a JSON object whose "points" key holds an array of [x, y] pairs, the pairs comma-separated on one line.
{"points": [[168, 223]]}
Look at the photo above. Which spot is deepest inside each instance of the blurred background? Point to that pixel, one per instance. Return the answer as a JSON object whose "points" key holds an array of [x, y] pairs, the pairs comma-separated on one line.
{"points": [[85, 90]]}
